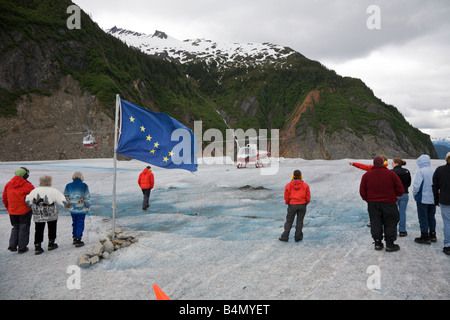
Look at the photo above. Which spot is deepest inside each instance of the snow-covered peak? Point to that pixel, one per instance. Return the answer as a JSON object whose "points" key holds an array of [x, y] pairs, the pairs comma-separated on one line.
{"points": [[441, 141], [225, 54]]}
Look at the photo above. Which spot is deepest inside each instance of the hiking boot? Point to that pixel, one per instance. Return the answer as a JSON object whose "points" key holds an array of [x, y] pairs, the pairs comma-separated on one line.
{"points": [[424, 238], [38, 249], [20, 251], [402, 234], [446, 250], [378, 245], [78, 243], [391, 247], [52, 245], [12, 249], [433, 236], [284, 240]]}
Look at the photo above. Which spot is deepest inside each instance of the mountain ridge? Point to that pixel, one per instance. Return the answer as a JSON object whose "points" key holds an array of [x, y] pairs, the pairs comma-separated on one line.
{"points": [[231, 85], [226, 54], [442, 146]]}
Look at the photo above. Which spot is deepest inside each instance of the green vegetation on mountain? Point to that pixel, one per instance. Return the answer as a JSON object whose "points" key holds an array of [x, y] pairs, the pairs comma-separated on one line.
{"points": [[102, 64], [37, 50], [345, 103]]}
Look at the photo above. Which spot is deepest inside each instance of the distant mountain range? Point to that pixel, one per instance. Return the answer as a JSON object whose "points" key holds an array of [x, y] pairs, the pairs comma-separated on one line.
{"points": [[223, 54], [320, 114], [442, 146], [56, 83]]}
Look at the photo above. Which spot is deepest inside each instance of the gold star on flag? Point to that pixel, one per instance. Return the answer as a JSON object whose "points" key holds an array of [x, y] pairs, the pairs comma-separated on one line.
{"points": [[131, 119], [171, 153], [149, 138], [142, 128], [165, 159], [156, 144], [153, 151]]}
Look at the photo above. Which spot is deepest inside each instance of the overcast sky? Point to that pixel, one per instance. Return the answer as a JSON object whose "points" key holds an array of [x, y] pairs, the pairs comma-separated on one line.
{"points": [[406, 62]]}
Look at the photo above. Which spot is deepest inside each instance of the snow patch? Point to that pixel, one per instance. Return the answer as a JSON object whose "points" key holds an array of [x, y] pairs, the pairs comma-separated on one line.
{"points": [[230, 250]]}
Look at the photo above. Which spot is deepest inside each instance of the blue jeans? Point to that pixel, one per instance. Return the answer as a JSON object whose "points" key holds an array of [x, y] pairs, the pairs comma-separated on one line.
{"points": [[77, 224], [445, 211], [426, 214], [402, 203]]}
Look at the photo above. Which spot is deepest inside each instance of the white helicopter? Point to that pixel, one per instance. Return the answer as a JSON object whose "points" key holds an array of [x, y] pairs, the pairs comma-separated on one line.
{"points": [[249, 155], [90, 141]]}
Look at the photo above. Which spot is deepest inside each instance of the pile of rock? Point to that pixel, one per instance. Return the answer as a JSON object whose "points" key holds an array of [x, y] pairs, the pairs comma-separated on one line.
{"points": [[104, 248]]}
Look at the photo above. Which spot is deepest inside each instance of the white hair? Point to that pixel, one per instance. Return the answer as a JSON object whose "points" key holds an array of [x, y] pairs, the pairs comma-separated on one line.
{"points": [[78, 175], [45, 181]]}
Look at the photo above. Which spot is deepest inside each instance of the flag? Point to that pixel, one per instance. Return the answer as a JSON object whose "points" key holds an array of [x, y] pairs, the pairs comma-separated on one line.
{"points": [[156, 138]]}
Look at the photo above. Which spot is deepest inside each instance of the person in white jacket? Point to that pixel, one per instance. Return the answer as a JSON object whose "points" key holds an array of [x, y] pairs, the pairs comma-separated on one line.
{"points": [[43, 202], [423, 194]]}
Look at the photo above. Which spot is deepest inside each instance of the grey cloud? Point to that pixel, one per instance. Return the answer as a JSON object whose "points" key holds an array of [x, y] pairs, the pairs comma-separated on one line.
{"points": [[319, 29], [332, 32]]}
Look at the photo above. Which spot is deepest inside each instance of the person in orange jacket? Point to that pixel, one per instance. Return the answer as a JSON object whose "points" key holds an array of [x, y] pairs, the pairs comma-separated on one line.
{"points": [[297, 196], [13, 198], [146, 182]]}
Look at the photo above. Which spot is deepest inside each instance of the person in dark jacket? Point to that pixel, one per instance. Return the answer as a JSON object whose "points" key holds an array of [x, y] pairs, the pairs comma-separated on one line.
{"points": [[402, 203], [441, 191], [380, 188], [13, 198], [297, 196], [146, 182]]}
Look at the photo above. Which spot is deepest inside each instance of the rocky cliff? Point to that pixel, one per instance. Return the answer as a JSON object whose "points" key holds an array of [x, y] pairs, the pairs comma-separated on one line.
{"points": [[52, 127], [56, 83], [300, 139]]}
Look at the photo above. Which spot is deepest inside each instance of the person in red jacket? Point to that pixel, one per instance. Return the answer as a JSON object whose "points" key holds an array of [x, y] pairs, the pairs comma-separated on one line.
{"points": [[146, 181], [367, 167], [380, 188], [297, 196], [13, 198]]}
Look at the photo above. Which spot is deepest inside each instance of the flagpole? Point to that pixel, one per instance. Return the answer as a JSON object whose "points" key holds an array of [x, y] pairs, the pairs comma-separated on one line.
{"points": [[115, 166]]}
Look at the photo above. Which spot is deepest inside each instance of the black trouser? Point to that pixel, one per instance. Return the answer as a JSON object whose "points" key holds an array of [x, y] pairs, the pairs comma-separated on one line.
{"points": [[39, 231], [384, 217], [20, 233], [293, 210], [146, 193]]}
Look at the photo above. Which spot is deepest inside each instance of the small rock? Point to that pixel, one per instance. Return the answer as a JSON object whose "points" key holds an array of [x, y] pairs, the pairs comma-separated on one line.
{"points": [[89, 254], [94, 259], [125, 244], [118, 242], [98, 249], [108, 246], [105, 255], [124, 236], [84, 261]]}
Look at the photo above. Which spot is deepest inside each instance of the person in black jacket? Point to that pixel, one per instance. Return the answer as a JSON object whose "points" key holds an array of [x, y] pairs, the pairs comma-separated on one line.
{"points": [[441, 192], [402, 202]]}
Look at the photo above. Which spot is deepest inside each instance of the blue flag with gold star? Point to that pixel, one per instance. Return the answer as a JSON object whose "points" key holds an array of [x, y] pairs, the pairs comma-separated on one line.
{"points": [[156, 138]]}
